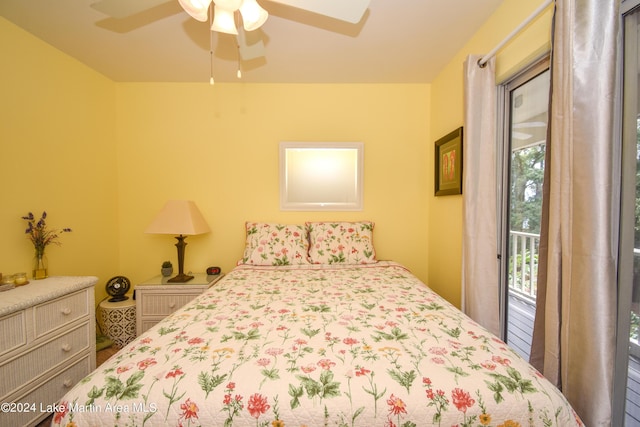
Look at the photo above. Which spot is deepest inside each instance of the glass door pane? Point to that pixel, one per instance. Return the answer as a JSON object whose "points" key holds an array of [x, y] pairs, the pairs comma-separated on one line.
{"points": [[527, 110], [627, 379]]}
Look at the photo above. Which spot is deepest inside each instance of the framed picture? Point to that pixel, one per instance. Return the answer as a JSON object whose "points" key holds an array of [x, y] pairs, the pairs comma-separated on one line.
{"points": [[448, 164]]}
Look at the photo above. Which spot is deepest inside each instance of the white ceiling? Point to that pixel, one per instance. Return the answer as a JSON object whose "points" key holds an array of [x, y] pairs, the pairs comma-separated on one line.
{"points": [[397, 41]]}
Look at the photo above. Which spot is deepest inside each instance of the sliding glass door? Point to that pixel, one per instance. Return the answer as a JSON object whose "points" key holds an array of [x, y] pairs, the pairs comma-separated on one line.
{"points": [[525, 100], [627, 379]]}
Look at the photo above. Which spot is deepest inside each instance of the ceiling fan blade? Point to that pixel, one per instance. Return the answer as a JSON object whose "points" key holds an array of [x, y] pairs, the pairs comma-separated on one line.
{"points": [[344, 10], [124, 8], [521, 135], [249, 51]]}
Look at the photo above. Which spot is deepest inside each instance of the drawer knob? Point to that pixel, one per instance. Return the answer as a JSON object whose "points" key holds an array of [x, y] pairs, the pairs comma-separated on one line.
{"points": [[66, 348], [67, 383], [66, 311], [172, 305]]}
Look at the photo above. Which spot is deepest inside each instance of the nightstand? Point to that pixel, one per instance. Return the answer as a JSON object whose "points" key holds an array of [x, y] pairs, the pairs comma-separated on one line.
{"points": [[157, 298], [118, 320]]}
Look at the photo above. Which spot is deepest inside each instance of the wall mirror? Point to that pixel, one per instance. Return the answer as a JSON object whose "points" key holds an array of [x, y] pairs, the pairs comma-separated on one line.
{"points": [[321, 176]]}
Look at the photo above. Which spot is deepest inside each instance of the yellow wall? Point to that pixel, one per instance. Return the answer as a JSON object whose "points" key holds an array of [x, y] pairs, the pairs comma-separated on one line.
{"points": [[447, 113], [103, 157], [218, 146], [56, 148]]}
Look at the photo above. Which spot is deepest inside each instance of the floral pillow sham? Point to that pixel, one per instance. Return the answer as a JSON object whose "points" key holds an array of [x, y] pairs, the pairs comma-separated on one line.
{"points": [[275, 244], [341, 242]]}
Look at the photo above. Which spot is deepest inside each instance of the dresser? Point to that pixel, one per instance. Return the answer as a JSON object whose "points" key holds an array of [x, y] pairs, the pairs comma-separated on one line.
{"points": [[47, 345], [157, 298]]}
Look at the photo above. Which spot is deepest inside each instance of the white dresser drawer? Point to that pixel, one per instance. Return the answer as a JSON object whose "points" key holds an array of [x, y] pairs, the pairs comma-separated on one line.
{"points": [[47, 344], [163, 304], [20, 370], [56, 313], [13, 332], [37, 401]]}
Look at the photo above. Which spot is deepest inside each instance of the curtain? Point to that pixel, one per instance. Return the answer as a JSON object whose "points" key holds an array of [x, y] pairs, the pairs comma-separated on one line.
{"points": [[575, 325], [480, 285]]}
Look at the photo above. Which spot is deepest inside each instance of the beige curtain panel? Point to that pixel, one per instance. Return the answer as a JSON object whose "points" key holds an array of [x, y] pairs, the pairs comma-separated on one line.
{"points": [[575, 326], [480, 284]]}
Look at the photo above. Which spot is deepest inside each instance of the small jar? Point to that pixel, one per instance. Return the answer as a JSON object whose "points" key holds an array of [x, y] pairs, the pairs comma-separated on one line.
{"points": [[7, 279], [20, 279]]}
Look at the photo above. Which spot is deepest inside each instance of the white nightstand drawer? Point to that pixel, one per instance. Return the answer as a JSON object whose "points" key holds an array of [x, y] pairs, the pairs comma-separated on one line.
{"points": [[148, 323], [157, 298], [13, 332], [163, 304], [22, 369], [56, 313]]}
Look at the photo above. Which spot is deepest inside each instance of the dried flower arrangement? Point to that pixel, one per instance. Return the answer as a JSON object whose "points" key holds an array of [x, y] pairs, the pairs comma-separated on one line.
{"points": [[38, 233]]}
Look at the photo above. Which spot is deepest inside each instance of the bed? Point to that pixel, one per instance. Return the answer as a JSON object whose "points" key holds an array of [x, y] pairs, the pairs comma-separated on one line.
{"points": [[317, 335]]}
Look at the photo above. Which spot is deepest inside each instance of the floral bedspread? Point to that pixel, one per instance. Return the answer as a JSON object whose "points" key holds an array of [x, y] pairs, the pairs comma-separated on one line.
{"points": [[309, 346]]}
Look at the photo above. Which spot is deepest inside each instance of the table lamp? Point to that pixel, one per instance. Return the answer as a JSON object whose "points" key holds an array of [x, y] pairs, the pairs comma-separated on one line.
{"points": [[180, 217]]}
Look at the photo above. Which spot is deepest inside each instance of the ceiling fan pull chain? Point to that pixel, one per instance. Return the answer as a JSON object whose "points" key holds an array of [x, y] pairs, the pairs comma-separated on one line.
{"points": [[239, 72], [211, 46]]}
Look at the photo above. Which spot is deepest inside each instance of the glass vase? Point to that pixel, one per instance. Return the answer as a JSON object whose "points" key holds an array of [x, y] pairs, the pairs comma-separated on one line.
{"points": [[40, 266]]}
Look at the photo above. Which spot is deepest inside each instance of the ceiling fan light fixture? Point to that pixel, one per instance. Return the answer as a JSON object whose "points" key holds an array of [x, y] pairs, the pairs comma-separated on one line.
{"points": [[253, 16], [230, 5], [224, 21], [197, 9]]}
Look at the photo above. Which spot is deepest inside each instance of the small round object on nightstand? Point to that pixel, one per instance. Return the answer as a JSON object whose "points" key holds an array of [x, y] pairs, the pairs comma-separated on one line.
{"points": [[213, 271], [117, 287]]}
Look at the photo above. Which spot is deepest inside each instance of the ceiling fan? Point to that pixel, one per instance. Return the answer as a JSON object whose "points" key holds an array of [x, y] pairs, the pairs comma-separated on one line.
{"points": [[224, 15], [343, 10]]}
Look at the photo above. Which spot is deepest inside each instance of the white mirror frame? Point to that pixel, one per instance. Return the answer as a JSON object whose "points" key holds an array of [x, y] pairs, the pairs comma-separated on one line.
{"points": [[321, 176]]}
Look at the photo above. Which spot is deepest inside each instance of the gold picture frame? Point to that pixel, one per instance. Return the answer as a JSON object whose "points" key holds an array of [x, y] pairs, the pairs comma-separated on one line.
{"points": [[448, 164]]}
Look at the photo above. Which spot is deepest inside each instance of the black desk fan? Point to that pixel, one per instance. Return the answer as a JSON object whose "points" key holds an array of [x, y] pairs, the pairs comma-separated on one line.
{"points": [[117, 287]]}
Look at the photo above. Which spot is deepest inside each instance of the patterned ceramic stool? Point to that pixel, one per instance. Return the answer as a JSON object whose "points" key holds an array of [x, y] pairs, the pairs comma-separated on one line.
{"points": [[118, 320]]}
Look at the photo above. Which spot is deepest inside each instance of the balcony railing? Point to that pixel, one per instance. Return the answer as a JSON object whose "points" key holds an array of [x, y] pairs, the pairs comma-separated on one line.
{"points": [[523, 273], [523, 264]]}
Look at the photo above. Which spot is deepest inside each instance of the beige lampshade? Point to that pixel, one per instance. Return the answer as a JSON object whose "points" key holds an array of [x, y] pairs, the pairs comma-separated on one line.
{"points": [[179, 217]]}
